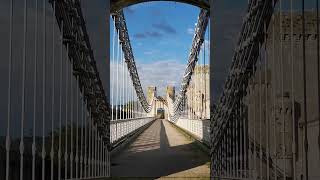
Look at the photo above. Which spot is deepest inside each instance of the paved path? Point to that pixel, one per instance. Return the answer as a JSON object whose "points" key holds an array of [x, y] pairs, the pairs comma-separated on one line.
{"points": [[161, 151]]}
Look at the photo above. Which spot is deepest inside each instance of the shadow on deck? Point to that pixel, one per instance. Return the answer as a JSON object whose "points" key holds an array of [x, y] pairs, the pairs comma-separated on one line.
{"points": [[161, 151]]}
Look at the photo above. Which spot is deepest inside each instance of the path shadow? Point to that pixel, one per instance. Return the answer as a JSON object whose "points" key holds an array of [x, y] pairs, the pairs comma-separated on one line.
{"points": [[157, 162]]}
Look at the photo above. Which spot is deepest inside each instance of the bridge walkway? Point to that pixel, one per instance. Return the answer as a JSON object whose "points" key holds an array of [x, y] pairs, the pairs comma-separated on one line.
{"points": [[161, 152]]}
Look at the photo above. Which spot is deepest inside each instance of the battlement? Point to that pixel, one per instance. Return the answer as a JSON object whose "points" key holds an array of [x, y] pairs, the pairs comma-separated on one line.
{"points": [[202, 69], [171, 91], [151, 92]]}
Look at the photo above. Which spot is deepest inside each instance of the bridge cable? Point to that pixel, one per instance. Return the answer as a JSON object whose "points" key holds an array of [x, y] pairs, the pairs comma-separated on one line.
{"points": [[77, 127], [60, 99], [121, 83], [292, 92], [89, 143], [126, 86], [266, 99], [117, 80], [260, 109], [123, 86], [82, 133], [203, 80], [112, 69], [21, 148], [130, 97], [71, 114], [95, 150], [35, 91], [130, 100], [43, 153], [125, 90], [318, 65], [274, 92], [305, 91], [254, 124], [86, 139], [8, 143], [53, 89], [282, 90], [67, 76]]}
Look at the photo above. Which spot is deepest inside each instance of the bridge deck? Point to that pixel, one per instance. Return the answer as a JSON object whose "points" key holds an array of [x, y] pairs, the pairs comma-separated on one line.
{"points": [[161, 151]]}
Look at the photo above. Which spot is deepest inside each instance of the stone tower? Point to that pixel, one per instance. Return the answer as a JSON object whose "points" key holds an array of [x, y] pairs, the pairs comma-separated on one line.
{"points": [[151, 92], [198, 93], [171, 90]]}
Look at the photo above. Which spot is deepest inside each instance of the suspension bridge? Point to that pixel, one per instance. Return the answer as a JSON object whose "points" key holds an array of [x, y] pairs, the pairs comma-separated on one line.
{"points": [[264, 125]]}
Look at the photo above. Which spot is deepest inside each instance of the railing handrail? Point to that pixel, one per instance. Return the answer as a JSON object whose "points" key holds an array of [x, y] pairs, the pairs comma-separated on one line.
{"points": [[130, 119], [196, 119]]}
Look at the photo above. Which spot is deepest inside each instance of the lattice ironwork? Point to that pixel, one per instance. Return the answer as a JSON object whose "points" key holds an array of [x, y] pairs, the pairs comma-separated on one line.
{"points": [[120, 24], [70, 19], [258, 17]]}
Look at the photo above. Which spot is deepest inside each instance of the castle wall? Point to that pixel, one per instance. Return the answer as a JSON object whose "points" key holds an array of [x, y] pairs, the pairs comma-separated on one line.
{"points": [[198, 94], [275, 102]]}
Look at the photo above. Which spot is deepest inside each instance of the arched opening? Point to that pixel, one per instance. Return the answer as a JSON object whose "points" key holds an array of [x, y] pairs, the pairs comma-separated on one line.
{"points": [[160, 113], [117, 5], [161, 43]]}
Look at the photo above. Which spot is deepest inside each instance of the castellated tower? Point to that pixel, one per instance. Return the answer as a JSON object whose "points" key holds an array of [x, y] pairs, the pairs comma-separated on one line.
{"points": [[171, 90], [151, 92], [198, 94]]}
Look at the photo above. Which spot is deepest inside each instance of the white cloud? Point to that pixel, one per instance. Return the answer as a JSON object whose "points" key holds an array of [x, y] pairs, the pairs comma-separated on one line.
{"points": [[159, 74], [190, 31], [148, 53]]}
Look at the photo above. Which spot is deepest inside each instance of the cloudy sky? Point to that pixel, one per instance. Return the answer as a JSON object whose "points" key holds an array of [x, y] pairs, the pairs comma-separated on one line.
{"points": [[161, 35]]}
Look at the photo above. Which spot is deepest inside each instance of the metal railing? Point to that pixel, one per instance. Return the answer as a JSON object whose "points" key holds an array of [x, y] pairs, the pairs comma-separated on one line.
{"points": [[200, 128], [121, 128], [64, 117], [267, 119]]}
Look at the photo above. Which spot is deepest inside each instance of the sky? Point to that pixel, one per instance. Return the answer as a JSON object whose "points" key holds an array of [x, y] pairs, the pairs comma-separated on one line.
{"points": [[161, 35]]}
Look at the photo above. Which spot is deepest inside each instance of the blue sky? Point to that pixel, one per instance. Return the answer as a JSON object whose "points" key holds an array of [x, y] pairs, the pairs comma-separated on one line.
{"points": [[161, 34], [161, 30]]}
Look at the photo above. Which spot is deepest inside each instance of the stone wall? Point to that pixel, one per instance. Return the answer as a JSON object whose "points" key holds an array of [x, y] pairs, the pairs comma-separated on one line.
{"points": [[198, 94], [275, 100]]}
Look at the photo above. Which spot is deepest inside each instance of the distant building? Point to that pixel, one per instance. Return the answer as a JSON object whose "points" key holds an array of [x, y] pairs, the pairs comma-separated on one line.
{"points": [[171, 92], [197, 102], [151, 92]]}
